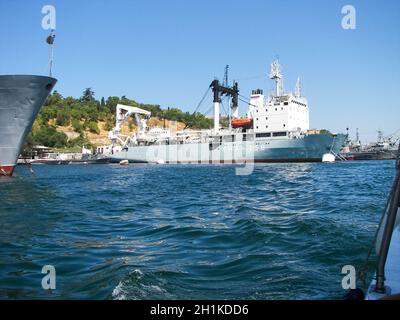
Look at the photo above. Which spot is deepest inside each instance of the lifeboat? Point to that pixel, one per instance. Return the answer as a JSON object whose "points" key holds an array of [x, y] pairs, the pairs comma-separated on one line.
{"points": [[242, 123]]}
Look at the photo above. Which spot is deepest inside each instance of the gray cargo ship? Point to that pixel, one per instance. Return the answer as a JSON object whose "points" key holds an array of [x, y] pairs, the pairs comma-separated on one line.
{"points": [[21, 97], [275, 129]]}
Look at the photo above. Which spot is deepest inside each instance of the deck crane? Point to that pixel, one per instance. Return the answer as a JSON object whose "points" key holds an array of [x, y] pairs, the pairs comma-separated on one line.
{"points": [[394, 138], [123, 113]]}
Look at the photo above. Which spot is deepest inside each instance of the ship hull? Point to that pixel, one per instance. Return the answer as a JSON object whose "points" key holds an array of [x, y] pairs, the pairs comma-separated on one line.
{"points": [[307, 149], [371, 155], [21, 97], [7, 170]]}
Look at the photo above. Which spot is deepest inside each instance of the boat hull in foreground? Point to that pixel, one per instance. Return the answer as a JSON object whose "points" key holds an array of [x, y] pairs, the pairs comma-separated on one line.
{"points": [[21, 98]]}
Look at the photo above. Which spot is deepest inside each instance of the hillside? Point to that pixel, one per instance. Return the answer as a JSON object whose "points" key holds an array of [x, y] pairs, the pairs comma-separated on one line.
{"points": [[101, 138], [66, 123]]}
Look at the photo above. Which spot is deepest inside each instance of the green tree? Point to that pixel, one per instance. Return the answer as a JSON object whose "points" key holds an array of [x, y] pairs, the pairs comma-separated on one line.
{"points": [[324, 131], [54, 99], [93, 127], [77, 126], [76, 114], [111, 104], [47, 113], [79, 142], [110, 122], [88, 95], [49, 137], [63, 117]]}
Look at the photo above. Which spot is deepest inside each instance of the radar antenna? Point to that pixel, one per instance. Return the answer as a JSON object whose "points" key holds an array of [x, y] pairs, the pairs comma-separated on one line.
{"points": [[276, 74]]}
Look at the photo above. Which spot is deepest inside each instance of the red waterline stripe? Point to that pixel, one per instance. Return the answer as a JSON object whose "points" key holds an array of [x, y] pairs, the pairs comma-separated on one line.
{"points": [[6, 170]]}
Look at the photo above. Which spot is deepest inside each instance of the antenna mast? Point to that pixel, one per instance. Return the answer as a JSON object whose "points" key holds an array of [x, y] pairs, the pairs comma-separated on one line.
{"points": [[50, 42], [298, 88], [226, 83], [380, 135], [276, 74]]}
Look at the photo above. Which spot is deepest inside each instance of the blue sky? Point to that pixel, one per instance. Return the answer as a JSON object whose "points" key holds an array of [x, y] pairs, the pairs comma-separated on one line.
{"points": [[167, 52]]}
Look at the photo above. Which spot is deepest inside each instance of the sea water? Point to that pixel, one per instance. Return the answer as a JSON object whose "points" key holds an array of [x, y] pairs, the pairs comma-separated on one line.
{"points": [[188, 231]]}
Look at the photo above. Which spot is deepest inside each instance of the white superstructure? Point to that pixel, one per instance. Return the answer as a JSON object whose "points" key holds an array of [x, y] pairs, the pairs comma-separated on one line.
{"points": [[280, 112]]}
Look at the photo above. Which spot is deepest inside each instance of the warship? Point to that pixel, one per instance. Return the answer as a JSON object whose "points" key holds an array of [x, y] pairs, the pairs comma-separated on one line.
{"points": [[385, 148], [276, 129], [21, 97]]}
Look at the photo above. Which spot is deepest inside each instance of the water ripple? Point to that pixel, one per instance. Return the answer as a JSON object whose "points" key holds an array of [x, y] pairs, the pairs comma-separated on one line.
{"points": [[190, 232]]}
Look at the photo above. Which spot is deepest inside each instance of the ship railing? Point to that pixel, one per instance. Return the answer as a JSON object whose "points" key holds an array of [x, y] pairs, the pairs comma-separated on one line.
{"points": [[338, 156], [387, 225]]}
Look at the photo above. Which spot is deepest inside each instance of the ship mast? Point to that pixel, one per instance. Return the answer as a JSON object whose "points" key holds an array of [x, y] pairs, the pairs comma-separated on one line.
{"points": [[226, 81], [380, 136], [276, 74], [298, 88], [50, 42]]}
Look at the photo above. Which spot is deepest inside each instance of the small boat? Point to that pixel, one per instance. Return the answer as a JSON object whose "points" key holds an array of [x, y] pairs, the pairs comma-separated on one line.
{"points": [[246, 123], [124, 162]]}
